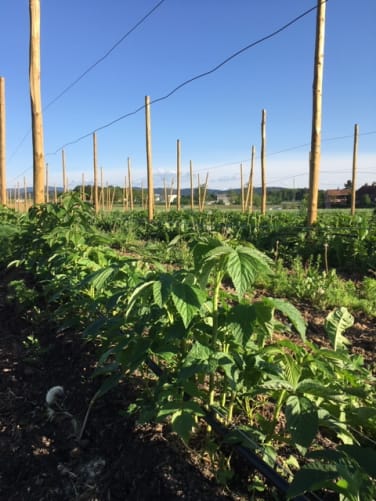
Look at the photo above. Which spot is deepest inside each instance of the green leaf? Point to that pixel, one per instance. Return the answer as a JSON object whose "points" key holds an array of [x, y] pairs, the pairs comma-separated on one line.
{"points": [[239, 323], [202, 248], [198, 352], [182, 423], [292, 313], [168, 408], [313, 477], [335, 325], [139, 291], [99, 278], [362, 416], [313, 387], [292, 369], [364, 456], [162, 289], [186, 300], [277, 384], [244, 264], [302, 420], [265, 317]]}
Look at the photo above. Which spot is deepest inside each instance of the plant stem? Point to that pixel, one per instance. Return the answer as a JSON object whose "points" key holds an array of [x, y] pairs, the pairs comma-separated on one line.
{"points": [[277, 412], [231, 407], [218, 282]]}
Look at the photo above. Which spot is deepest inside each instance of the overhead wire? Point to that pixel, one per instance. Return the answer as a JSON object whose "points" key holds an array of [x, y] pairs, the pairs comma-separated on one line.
{"points": [[192, 79], [90, 68], [102, 58]]}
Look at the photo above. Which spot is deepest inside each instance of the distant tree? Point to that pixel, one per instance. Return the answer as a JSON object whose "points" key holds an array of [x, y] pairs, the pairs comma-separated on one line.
{"points": [[348, 184], [366, 200]]}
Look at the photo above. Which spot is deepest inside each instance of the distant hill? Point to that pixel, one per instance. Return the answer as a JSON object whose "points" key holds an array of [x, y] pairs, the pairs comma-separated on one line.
{"points": [[29, 189]]}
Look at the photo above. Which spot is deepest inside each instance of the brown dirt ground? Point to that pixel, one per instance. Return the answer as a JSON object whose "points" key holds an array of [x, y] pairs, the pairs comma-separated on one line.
{"points": [[118, 459]]}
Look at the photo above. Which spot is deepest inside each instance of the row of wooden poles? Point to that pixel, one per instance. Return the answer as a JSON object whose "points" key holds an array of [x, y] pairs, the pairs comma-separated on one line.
{"points": [[21, 199], [37, 123], [103, 199], [246, 200], [40, 194]]}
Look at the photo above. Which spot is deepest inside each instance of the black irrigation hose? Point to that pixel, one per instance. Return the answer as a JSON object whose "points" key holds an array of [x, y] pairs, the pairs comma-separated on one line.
{"points": [[253, 459]]}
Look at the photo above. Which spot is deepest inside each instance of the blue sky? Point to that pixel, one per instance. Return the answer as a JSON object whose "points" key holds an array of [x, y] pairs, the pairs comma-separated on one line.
{"points": [[216, 118]]}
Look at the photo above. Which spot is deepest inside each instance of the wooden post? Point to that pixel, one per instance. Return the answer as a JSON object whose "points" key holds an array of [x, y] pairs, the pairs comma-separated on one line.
{"points": [[25, 194], [165, 192], [3, 183], [242, 200], [55, 194], [199, 192], [203, 198], [17, 197], [171, 193], [47, 195], [130, 186], [64, 171], [354, 169], [125, 194], [36, 102], [102, 190], [249, 197], [191, 181], [108, 197], [316, 113], [149, 160], [178, 175], [112, 199], [263, 163], [95, 188]]}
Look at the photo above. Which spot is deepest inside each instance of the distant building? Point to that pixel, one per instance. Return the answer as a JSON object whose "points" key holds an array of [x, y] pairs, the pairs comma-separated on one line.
{"points": [[223, 198], [337, 198]]}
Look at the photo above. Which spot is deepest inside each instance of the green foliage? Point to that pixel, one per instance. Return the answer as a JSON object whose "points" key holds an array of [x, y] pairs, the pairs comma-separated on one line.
{"points": [[246, 359], [335, 324]]}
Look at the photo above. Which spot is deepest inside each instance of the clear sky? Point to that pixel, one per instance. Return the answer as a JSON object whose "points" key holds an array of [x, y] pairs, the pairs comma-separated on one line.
{"points": [[217, 118]]}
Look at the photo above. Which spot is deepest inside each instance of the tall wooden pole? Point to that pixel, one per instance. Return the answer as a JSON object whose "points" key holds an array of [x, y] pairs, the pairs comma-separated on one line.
{"points": [[25, 194], [249, 197], [165, 193], [203, 197], [242, 200], [263, 162], [149, 160], [171, 193], [178, 174], [315, 156], [354, 169], [36, 102], [17, 197], [191, 182], [95, 167], [199, 192], [102, 190], [64, 171], [130, 186], [3, 182]]}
